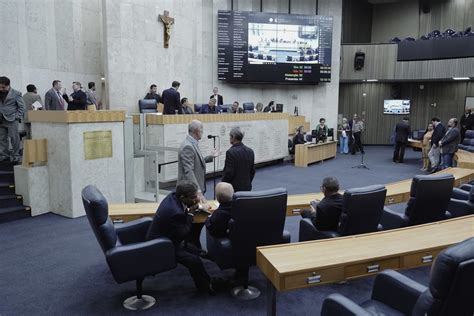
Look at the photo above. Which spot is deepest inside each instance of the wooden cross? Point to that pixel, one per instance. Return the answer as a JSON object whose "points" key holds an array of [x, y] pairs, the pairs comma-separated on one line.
{"points": [[167, 22]]}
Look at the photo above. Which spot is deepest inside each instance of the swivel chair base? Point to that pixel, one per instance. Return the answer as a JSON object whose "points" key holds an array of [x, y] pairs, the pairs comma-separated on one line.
{"points": [[134, 303], [245, 293]]}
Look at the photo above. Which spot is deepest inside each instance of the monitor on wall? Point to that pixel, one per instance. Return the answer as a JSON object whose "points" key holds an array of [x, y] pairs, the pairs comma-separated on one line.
{"points": [[274, 48], [396, 107]]}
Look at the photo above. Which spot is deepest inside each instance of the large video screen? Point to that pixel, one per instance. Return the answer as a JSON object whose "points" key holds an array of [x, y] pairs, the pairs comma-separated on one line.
{"points": [[396, 107], [274, 48]]}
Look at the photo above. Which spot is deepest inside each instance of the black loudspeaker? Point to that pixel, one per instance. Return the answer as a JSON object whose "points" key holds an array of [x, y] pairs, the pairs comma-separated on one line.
{"points": [[396, 92], [359, 60], [425, 6]]}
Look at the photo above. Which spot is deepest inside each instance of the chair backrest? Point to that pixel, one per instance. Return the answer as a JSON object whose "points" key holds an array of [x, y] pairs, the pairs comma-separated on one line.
{"points": [[469, 134], [362, 209], [257, 220], [97, 210], [248, 107], [197, 107], [226, 108], [147, 106], [450, 289], [429, 198]]}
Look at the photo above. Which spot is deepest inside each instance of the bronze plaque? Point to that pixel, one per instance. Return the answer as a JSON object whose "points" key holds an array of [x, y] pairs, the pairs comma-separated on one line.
{"points": [[97, 144]]}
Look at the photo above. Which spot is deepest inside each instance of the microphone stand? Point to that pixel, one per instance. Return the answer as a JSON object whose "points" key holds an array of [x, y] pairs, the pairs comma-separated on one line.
{"points": [[214, 172]]}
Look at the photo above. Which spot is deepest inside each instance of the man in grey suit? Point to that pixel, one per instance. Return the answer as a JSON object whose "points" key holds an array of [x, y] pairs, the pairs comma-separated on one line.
{"points": [[12, 108], [53, 99], [192, 167], [449, 143]]}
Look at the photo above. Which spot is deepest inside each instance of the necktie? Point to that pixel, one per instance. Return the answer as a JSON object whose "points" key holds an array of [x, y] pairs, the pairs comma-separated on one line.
{"points": [[61, 101]]}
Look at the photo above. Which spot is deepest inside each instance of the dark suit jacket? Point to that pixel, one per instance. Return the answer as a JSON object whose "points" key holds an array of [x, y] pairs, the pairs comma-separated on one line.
{"points": [[328, 212], [151, 96], [450, 141], [170, 221], [220, 99], [79, 101], [218, 223], [438, 133], [205, 109], [51, 101], [467, 122], [402, 131], [171, 100], [239, 168]]}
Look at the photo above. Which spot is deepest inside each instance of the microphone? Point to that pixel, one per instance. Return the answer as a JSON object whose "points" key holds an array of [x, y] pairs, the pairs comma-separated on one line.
{"points": [[212, 136]]}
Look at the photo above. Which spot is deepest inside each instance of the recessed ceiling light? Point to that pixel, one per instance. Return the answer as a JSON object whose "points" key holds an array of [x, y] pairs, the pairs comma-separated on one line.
{"points": [[371, 80], [461, 78]]}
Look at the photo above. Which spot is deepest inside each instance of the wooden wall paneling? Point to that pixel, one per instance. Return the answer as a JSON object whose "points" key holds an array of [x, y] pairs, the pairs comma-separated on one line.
{"points": [[455, 14], [356, 21], [379, 63], [434, 69]]}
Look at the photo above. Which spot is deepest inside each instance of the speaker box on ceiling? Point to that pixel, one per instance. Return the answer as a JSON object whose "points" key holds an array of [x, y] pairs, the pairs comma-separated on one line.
{"points": [[359, 60], [425, 6]]}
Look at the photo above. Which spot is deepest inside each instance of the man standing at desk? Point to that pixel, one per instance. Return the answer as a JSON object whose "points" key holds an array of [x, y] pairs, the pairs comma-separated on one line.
{"points": [[172, 100], [192, 167], [325, 214], [173, 220], [239, 168]]}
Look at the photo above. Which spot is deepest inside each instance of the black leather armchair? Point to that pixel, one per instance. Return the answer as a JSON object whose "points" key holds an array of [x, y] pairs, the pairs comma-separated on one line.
{"points": [[462, 202], [147, 106], [362, 209], [248, 107], [449, 291], [429, 199], [258, 219], [128, 255]]}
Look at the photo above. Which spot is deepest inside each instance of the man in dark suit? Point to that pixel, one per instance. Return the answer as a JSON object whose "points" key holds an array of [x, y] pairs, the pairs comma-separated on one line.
{"points": [[239, 168], [218, 223], [236, 108], [153, 94], [78, 99], [210, 108], [53, 99], [402, 131], [325, 214], [217, 96], [172, 100], [467, 122], [173, 220], [434, 153], [449, 143]]}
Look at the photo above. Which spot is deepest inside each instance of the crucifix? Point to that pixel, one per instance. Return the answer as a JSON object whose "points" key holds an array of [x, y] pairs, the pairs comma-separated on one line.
{"points": [[167, 22]]}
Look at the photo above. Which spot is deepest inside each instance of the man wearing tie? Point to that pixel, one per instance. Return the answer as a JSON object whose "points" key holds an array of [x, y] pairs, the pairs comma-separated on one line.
{"points": [[172, 100], [449, 143], [53, 99], [217, 96]]}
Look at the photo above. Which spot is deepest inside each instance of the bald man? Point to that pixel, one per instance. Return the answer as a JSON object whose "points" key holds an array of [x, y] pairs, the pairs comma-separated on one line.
{"points": [[217, 224]]}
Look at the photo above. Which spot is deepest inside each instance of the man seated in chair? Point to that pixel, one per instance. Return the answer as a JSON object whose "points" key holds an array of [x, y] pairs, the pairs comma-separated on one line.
{"points": [[218, 223], [325, 214], [173, 219]]}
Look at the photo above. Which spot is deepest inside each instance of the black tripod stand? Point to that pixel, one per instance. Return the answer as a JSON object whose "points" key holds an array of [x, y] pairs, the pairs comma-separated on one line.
{"points": [[214, 162], [362, 165]]}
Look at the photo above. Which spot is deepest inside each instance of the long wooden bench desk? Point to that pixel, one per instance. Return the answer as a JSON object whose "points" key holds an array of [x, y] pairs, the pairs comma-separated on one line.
{"points": [[397, 192], [464, 159], [301, 265]]}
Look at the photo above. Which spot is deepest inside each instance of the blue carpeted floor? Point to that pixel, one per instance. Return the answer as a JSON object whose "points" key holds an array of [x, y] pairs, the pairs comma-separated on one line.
{"points": [[53, 265]]}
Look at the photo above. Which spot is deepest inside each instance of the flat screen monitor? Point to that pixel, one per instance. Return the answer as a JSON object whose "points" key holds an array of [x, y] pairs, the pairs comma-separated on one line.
{"points": [[396, 107], [273, 47]]}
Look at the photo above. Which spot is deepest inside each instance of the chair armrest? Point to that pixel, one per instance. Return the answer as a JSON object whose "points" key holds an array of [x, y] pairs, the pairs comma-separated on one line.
{"points": [[466, 187], [407, 291], [460, 194], [135, 261], [309, 232], [460, 208], [391, 219], [134, 231], [339, 305]]}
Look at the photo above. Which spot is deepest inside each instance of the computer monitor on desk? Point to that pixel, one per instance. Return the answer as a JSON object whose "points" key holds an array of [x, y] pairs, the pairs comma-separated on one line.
{"points": [[319, 135]]}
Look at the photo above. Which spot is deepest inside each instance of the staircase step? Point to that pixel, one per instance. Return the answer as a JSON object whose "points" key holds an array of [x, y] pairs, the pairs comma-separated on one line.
{"points": [[7, 188], [7, 176], [8, 214], [7, 165], [10, 200]]}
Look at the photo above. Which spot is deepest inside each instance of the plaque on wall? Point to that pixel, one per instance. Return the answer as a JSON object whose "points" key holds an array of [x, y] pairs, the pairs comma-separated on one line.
{"points": [[97, 144]]}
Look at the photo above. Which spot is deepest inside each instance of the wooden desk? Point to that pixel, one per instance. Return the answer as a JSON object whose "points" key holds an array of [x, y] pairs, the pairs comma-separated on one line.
{"points": [[306, 154], [464, 159], [122, 213], [301, 265], [397, 192]]}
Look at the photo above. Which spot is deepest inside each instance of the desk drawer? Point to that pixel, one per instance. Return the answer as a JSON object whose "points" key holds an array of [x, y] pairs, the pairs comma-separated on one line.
{"points": [[314, 278], [420, 258], [371, 267], [394, 199]]}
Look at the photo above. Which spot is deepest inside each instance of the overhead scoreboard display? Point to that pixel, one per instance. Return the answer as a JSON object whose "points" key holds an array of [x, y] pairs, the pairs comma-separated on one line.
{"points": [[274, 47]]}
